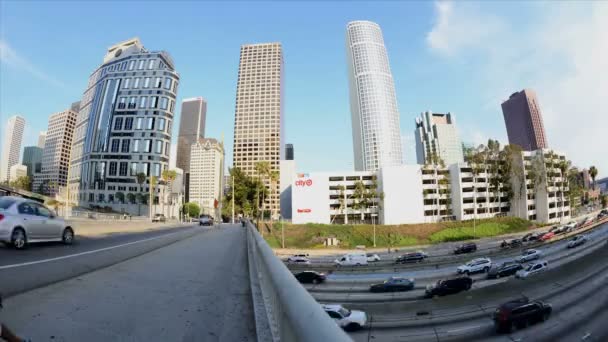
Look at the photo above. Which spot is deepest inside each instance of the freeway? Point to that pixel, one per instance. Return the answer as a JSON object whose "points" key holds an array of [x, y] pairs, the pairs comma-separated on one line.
{"points": [[195, 288], [577, 292], [43, 264]]}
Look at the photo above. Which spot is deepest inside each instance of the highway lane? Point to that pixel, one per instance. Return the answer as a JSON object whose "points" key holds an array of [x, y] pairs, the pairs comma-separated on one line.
{"points": [[576, 303], [38, 251], [40, 266]]}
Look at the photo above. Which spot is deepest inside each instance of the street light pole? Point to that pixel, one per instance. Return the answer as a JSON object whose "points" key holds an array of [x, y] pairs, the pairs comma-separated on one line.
{"points": [[282, 233], [232, 176]]}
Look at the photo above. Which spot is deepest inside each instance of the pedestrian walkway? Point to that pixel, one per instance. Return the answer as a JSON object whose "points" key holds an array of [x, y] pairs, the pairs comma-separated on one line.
{"points": [[193, 290]]}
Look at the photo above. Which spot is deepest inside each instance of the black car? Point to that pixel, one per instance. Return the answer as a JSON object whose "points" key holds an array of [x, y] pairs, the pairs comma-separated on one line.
{"points": [[449, 286], [308, 277], [504, 270], [520, 313], [531, 237], [511, 244], [410, 257], [393, 284], [465, 248]]}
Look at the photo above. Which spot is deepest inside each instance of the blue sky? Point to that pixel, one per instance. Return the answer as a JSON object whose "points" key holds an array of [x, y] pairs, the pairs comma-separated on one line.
{"points": [[462, 57]]}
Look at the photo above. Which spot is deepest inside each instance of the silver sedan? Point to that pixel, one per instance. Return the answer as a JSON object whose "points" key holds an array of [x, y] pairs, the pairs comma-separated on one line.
{"points": [[24, 221]]}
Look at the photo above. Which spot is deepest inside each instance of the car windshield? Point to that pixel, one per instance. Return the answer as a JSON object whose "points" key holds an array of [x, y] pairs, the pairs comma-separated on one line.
{"points": [[5, 203], [344, 312]]}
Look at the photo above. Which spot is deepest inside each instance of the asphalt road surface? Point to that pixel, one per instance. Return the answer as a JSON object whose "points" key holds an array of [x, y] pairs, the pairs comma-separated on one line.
{"points": [[194, 289]]}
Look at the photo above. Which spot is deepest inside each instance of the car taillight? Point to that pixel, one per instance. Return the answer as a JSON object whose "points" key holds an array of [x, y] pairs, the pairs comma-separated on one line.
{"points": [[1, 217]]}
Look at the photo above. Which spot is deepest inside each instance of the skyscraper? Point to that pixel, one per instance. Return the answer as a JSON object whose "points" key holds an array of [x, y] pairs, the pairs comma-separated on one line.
{"points": [[207, 175], [56, 153], [41, 139], [373, 104], [289, 152], [524, 121], [11, 146], [258, 122], [123, 126], [32, 158], [191, 129], [436, 135]]}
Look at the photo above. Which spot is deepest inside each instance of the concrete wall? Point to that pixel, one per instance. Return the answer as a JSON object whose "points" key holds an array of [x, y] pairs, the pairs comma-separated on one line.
{"points": [[403, 201]]}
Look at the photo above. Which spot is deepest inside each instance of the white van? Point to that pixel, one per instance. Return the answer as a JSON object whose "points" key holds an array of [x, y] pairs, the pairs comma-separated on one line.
{"points": [[352, 259]]}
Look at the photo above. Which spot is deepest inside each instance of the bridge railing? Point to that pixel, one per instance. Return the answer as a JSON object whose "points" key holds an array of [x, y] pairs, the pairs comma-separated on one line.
{"points": [[284, 310]]}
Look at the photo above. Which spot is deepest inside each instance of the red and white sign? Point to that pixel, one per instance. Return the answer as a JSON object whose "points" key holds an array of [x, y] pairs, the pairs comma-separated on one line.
{"points": [[302, 182], [304, 210]]}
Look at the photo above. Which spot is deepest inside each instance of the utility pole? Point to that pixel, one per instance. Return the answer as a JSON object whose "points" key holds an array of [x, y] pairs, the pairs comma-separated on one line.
{"points": [[282, 233], [374, 224], [232, 176]]}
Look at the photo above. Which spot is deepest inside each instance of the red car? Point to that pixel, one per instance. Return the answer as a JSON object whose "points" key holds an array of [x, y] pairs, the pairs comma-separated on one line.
{"points": [[547, 236]]}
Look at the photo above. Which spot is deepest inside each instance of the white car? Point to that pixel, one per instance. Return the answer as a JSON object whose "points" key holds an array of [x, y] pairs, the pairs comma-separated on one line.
{"points": [[353, 259], [475, 265], [577, 241], [373, 257], [348, 320], [532, 269], [299, 259], [528, 255]]}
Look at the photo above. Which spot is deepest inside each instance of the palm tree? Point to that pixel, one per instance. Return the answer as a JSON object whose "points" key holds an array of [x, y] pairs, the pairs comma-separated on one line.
{"points": [[593, 174], [168, 177], [141, 179], [274, 179], [153, 182], [263, 169]]}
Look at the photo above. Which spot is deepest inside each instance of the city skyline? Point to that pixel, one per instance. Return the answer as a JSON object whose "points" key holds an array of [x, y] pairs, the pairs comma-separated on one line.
{"points": [[417, 86]]}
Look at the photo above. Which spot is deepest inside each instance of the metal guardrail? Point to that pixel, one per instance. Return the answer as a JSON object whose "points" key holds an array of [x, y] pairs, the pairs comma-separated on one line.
{"points": [[284, 310]]}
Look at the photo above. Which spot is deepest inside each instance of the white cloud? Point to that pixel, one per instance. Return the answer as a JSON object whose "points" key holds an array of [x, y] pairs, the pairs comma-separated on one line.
{"points": [[561, 51], [12, 59]]}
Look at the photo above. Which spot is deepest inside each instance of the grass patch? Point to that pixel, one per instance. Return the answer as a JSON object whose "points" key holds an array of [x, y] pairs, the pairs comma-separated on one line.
{"points": [[309, 236]]}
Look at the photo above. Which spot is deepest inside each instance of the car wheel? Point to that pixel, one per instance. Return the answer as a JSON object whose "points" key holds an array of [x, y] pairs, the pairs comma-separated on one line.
{"points": [[315, 281], [486, 269], [352, 327], [68, 236], [19, 239], [497, 275], [466, 273]]}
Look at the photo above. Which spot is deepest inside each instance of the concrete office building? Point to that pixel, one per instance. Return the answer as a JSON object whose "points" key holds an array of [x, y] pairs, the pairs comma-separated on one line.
{"points": [[524, 121], [32, 158], [56, 153], [207, 175], [258, 126], [124, 126], [41, 139], [436, 135], [11, 146], [289, 152], [373, 103], [191, 129], [17, 171]]}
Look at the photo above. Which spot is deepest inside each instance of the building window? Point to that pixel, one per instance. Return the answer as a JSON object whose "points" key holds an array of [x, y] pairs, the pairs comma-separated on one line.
{"points": [[118, 124], [136, 145], [123, 168], [132, 102], [146, 169], [167, 149], [159, 146], [122, 103], [151, 64], [147, 82], [150, 124], [128, 124], [142, 102], [172, 106], [139, 124], [161, 124], [158, 82], [112, 169], [131, 65], [115, 144], [126, 83], [136, 83], [164, 103], [140, 66], [101, 198], [167, 83], [125, 146], [169, 126], [148, 145], [156, 170], [133, 169], [153, 101]]}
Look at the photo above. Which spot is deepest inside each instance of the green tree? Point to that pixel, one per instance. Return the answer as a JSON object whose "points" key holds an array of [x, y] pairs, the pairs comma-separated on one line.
{"points": [[262, 168], [131, 198], [120, 197], [168, 176], [604, 199], [192, 209], [359, 198], [23, 183], [564, 167], [141, 179], [245, 192], [274, 180]]}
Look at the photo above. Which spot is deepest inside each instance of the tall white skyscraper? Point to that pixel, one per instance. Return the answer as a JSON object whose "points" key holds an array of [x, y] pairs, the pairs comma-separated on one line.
{"points": [[41, 139], [373, 104], [11, 146], [207, 175], [436, 134]]}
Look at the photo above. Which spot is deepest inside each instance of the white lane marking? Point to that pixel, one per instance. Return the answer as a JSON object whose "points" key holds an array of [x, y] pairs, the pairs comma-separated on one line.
{"points": [[463, 329], [84, 253]]}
